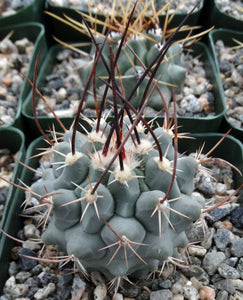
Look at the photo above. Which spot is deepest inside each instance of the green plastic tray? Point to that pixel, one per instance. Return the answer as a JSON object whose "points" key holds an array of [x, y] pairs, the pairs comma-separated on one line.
{"points": [[30, 13], [35, 32], [227, 37]]}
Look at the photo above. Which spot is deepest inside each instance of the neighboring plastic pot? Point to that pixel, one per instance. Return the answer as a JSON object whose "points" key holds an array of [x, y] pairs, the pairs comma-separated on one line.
{"points": [[230, 149], [204, 124], [12, 221], [14, 140], [220, 19], [227, 37], [66, 33], [35, 32], [30, 13]]}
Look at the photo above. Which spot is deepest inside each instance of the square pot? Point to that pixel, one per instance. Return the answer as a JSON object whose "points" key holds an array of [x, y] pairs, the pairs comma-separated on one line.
{"points": [[35, 33], [227, 37], [191, 124]]}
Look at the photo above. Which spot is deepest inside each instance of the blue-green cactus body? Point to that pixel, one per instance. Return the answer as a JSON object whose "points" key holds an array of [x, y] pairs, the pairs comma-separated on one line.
{"points": [[135, 56], [126, 226]]}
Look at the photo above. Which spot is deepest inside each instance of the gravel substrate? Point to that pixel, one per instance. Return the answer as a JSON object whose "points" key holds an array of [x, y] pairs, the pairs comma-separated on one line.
{"points": [[229, 7], [64, 88], [7, 164], [9, 7], [214, 255], [14, 60], [231, 71], [105, 5]]}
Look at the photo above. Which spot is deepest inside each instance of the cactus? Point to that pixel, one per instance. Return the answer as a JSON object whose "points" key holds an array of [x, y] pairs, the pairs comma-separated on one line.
{"points": [[136, 55], [129, 223], [119, 195]]}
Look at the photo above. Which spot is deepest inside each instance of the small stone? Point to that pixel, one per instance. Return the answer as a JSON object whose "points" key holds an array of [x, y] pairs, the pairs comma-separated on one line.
{"points": [[228, 272], [217, 215], [30, 231], [15, 290], [78, 286], [118, 296], [193, 271], [227, 224], [22, 276], [221, 189], [13, 268], [240, 267], [236, 217], [212, 260], [222, 238], [197, 251], [222, 295], [161, 295], [231, 261], [237, 247], [207, 293], [237, 284], [165, 284], [100, 292], [190, 292], [46, 278], [26, 263], [208, 239], [45, 291], [225, 285]]}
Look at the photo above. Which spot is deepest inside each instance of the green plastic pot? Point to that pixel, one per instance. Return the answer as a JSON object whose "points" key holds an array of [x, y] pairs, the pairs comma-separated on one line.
{"points": [[14, 140], [30, 13], [35, 32], [220, 19], [66, 33], [230, 149], [12, 221], [227, 37], [205, 124]]}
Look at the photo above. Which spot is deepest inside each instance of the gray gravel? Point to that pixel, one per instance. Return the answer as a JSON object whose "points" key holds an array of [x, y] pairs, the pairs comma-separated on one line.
{"points": [[14, 60], [231, 71], [229, 7], [9, 7]]}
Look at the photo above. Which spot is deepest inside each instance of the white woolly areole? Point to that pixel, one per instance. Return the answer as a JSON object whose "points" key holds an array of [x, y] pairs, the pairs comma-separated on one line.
{"points": [[144, 147], [164, 204], [99, 161], [72, 158], [94, 136], [91, 198], [163, 165], [123, 175]]}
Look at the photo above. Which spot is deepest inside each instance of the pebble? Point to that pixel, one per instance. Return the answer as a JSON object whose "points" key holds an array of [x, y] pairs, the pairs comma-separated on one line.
{"points": [[207, 293], [190, 292], [212, 260], [15, 290], [161, 295], [44, 292], [225, 285], [26, 263], [236, 217], [222, 238], [237, 247], [228, 272]]}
